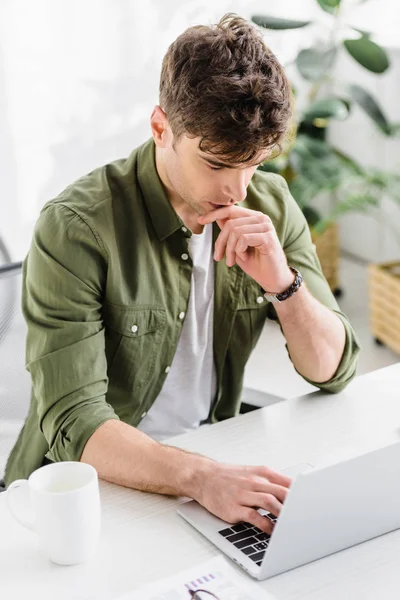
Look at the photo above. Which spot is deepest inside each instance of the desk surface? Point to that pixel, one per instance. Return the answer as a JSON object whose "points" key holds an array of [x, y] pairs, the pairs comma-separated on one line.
{"points": [[143, 539]]}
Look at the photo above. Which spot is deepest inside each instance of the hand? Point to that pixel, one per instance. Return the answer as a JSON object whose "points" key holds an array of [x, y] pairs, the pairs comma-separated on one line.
{"points": [[234, 493], [248, 238]]}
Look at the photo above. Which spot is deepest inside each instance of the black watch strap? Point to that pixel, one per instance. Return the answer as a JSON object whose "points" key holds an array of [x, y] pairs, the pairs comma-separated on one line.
{"points": [[298, 280]]}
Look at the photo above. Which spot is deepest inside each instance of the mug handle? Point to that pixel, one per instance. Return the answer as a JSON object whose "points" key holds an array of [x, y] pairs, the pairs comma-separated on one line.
{"points": [[19, 483]]}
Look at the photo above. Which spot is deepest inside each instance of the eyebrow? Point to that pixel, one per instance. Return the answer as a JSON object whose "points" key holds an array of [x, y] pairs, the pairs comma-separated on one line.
{"points": [[217, 163]]}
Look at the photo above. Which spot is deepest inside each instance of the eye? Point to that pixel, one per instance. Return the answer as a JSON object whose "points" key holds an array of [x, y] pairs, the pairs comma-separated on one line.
{"points": [[214, 168]]}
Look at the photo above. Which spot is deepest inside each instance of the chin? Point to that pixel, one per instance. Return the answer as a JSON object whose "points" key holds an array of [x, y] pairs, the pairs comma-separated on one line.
{"points": [[203, 210]]}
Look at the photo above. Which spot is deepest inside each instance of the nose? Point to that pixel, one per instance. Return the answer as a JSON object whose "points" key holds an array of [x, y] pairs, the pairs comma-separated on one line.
{"points": [[235, 187]]}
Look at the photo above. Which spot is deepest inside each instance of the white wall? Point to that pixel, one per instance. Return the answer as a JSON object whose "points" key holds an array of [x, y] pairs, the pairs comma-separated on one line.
{"points": [[79, 78], [371, 237]]}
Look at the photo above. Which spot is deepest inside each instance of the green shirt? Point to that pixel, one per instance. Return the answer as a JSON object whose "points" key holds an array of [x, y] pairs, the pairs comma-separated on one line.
{"points": [[104, 282]]}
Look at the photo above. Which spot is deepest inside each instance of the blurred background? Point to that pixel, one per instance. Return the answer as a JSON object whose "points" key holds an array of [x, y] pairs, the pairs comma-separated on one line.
{"points": [[79, 79]]}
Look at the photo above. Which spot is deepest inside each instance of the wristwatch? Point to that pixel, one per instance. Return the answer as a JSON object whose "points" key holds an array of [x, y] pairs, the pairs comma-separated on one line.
{"points": [[277, 298]]}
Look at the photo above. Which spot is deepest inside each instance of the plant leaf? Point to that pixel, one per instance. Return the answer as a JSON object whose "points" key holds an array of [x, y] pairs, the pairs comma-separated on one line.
{"points": [[364, 33], [368, 54], [361, 203], [270, 166], [353, 166], [313, 64], [329, 6], [370, 106], [395, 129], [331, 107], [278, 23], [316, 168]]}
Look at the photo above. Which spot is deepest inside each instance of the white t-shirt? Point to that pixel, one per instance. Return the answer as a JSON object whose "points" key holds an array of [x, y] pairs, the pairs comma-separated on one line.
{"points": [[186, 397]]}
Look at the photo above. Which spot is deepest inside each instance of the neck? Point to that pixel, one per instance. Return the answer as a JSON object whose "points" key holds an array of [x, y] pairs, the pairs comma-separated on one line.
{"points": [[182, 208]]}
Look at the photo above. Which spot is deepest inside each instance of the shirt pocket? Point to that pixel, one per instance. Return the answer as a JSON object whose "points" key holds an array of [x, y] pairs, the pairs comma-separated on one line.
{"points": [[252, 310], [133, 342]]}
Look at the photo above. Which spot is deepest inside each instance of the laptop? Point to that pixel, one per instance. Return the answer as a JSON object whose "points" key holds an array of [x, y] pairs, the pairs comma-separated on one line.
{"points": [[327, 509]]}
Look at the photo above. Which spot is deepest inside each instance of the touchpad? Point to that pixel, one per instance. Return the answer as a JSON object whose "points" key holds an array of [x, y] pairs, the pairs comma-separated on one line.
{"points": [[295, 470]]}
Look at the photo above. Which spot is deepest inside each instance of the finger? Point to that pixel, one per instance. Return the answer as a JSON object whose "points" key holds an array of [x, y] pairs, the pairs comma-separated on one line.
{"points": [[241, 259], [252, 516], [241, 226], [266, 501], [221, 223], [273, 476], [239, 222], [263, 486], [228, 212], [229, 250], [229, 240], [250, 240], [238, 242]]}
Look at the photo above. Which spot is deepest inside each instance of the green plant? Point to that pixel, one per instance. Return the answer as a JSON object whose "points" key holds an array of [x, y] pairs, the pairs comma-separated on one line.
{"points": [[311, 165]]}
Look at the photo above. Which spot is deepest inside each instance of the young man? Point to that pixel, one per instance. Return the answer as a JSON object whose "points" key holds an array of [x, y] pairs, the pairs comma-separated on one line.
{"points": [[144, 285]]}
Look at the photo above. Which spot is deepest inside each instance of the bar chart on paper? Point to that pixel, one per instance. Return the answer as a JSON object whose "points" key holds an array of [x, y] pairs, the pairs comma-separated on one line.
{"points": [[216, 576]]}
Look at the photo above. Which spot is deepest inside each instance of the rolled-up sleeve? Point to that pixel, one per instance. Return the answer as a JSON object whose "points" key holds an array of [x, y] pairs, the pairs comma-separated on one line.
{"points": [[301, 253], [64, 280]]}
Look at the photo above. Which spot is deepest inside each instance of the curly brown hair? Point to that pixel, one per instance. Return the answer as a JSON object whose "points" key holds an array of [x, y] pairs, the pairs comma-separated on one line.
{"points": [[222, 83]]}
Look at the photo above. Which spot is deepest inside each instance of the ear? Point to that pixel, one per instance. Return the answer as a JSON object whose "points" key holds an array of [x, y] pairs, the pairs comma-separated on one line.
{"points": [[159, 126]]}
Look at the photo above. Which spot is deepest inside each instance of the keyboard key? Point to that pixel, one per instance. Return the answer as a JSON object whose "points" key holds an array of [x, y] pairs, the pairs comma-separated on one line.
{"points": [[259, 563], [248, 525], [247, 542], [272, 517], [239, 527], [258, 556], [226, 532], [263, 537], [240, 536], [248, 550], [261, 545]]}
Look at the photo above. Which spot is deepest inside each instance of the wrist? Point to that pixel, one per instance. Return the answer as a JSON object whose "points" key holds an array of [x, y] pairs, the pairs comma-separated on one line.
{"points": [[193, 471], [278, 297], [286, 308], [281, 283], [284, 282]]}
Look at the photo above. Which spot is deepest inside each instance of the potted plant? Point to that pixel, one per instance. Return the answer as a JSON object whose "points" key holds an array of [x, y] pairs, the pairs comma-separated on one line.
{"points": [[311, 165]]}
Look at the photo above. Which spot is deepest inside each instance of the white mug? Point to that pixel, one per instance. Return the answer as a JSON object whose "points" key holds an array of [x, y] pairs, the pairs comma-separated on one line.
{"points": [[65, 507]]}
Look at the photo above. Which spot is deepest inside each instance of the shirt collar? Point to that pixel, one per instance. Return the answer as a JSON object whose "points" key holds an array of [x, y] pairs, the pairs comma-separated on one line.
{"points": [[164, 218]]}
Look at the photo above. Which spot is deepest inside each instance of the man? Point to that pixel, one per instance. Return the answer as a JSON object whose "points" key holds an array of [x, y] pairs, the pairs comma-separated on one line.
{"points": [[144, 288]]}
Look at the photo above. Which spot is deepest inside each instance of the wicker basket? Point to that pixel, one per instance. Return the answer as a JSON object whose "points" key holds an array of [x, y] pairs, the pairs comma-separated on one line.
{"points": [[384, 303], [327, 246]]}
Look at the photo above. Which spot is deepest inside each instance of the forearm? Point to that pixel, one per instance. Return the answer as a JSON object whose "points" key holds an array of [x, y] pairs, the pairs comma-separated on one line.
{"points": [[126, 456], [315, 335]]}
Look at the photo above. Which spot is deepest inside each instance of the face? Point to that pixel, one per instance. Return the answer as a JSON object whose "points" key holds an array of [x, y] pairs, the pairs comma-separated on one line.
{"points": [[201, 180]]}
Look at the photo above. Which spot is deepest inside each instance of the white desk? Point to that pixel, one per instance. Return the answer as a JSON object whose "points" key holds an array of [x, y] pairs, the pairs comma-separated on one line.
{"points": [[143, 539], [263, 381]]}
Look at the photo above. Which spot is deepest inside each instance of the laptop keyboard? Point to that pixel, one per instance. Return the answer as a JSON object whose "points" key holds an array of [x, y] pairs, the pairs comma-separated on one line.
{"points": [[249, 539]]}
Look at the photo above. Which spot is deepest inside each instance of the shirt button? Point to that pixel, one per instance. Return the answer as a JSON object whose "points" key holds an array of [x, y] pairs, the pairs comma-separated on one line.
{"points": [[184, 229], [167, 369], [143, 414], [181, 315], [184, 256], [134, 328], [260, 300]]}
